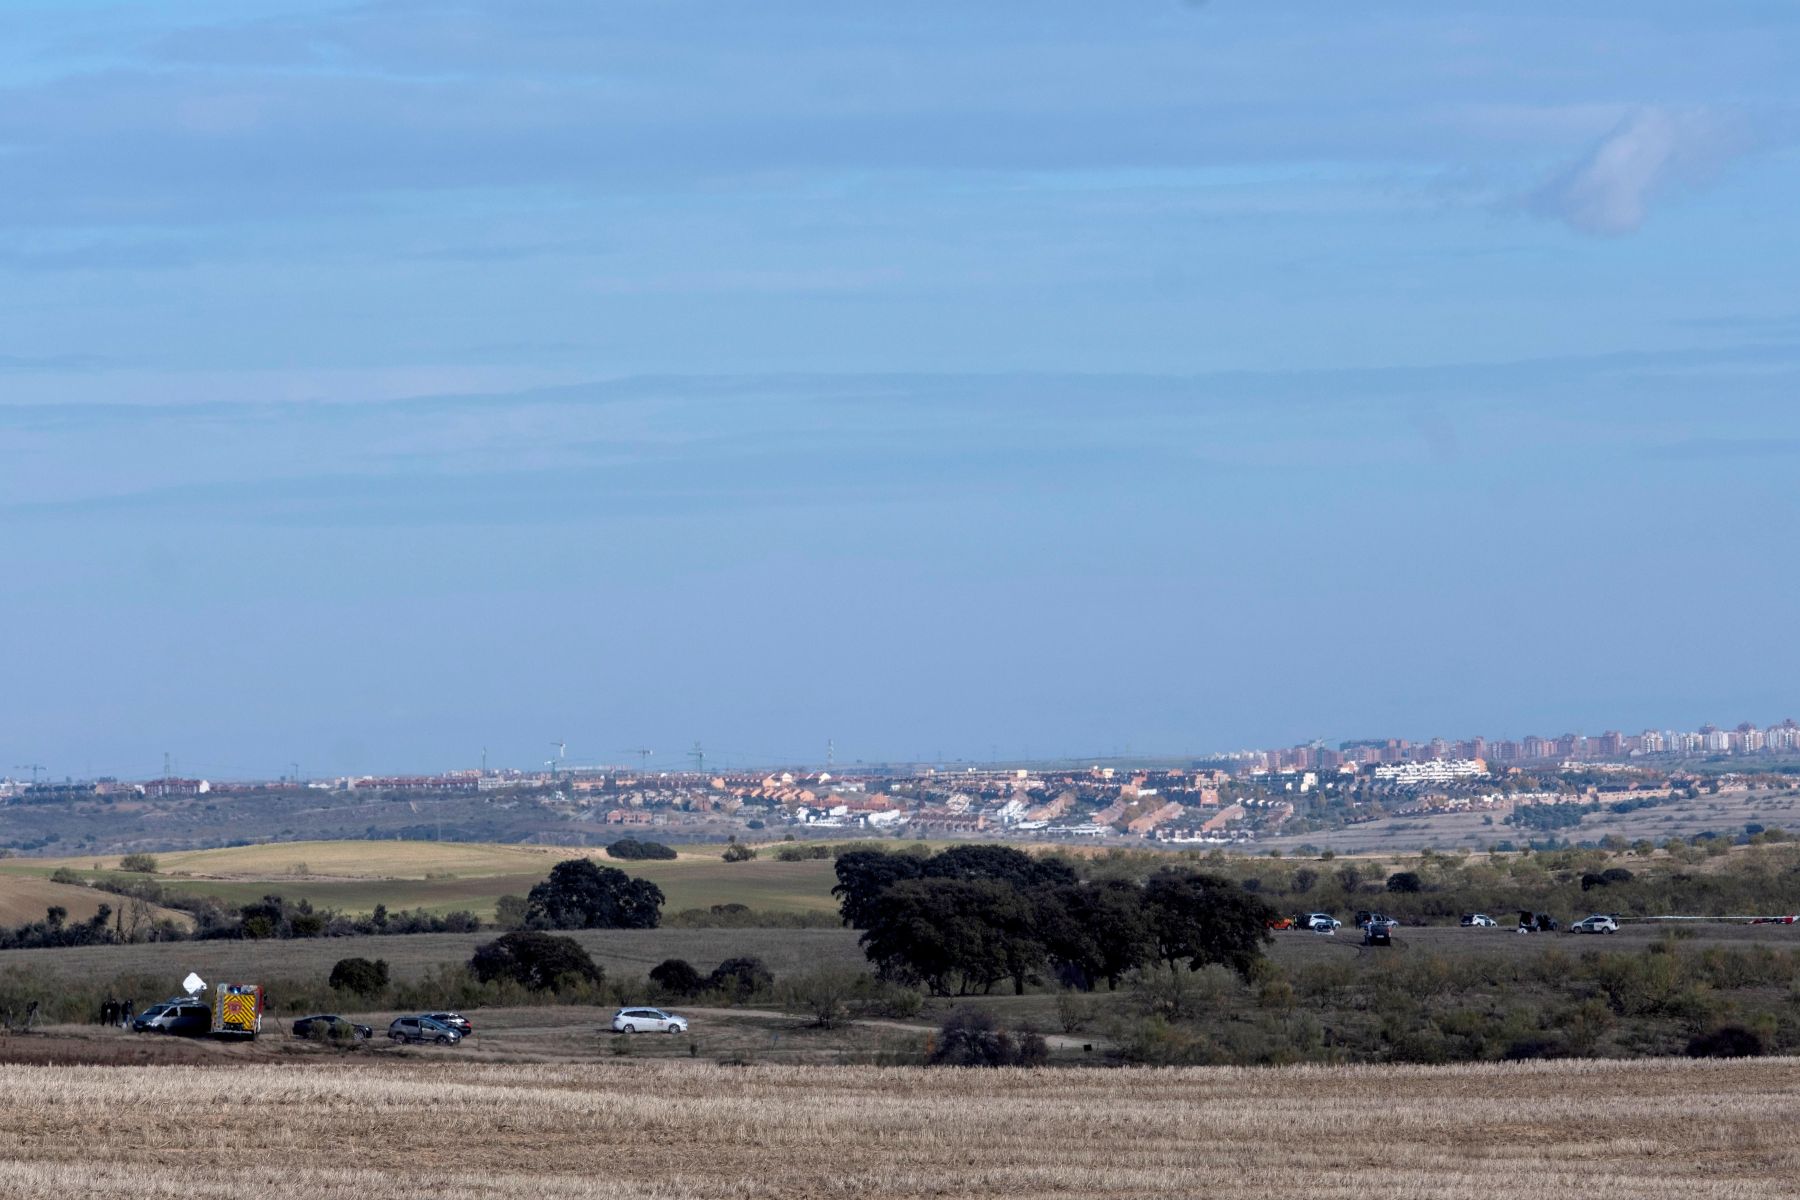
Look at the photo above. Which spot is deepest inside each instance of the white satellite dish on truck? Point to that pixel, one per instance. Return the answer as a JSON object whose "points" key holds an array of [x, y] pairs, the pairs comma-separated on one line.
{"points": [[194, 984]]}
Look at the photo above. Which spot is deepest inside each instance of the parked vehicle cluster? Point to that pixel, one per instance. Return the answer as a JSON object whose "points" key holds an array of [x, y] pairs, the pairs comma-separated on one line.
{"points": [[438, 1028], [1377, 928]]}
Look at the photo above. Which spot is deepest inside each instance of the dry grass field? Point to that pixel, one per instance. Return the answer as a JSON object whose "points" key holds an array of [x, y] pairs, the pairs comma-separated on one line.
{"points": [[441, 877], [24, 898], [627, 954], [411, 1128]]}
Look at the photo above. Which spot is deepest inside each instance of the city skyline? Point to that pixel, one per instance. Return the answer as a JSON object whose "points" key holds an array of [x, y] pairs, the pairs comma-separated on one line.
{"points": [[1708, 739]]}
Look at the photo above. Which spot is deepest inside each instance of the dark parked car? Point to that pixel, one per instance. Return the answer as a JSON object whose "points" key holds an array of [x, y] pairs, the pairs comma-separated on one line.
{"points": [[328, 1025], [183, 1020], [454, 1020], [423, 1029]]}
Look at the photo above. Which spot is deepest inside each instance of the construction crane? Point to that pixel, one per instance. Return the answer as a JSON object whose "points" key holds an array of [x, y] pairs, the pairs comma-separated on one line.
{"points": [[562, 749], [643, 753], [36, 770]]}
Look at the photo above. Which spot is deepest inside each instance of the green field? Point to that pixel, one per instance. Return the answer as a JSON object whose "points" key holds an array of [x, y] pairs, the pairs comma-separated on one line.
{"points": [[626, 954], [443, 877]]}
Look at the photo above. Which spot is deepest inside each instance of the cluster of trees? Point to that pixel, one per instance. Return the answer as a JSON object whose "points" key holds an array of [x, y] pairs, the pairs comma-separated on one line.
{"points": [[735, 979], [363, 976], [56, 930], [632, 850], [971, 917], [582, 894], [278, 917], [802, 851], [1549, 816], [536, 961]]}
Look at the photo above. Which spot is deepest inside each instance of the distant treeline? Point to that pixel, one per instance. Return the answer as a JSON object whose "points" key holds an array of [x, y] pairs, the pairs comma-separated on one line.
{"points": [[273, 916]]}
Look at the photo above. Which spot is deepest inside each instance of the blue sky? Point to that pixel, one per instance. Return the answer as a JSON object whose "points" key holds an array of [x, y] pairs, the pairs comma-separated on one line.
{"points": [[380, 382]]}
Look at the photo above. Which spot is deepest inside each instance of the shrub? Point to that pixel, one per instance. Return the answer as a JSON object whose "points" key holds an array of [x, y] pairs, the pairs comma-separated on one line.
{"points": [[1074, 1011], [536, 961], [796, 852], [1727, 1041], [1405, 882], [970, 1037], [738, 852], [510, 911], [677, 976], [738, 979], [143, 864], [360, 975], [633, 850], [826, 993]]}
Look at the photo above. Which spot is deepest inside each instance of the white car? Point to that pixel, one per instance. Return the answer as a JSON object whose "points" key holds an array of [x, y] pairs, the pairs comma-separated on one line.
{"points": [[1322, 922], [1598, 923], [647, 1020], [1479, 921]]}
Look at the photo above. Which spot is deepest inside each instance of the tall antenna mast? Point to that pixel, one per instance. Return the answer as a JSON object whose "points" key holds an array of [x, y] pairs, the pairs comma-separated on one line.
{"points": [[830, 752], [699, 757]]}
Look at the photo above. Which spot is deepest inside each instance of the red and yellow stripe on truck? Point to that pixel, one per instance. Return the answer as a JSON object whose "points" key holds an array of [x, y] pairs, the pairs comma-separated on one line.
{"points": [[238, 1009]]}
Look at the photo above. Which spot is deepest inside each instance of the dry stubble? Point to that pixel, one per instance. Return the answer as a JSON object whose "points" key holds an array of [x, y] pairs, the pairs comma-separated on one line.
{"points": [[1607, 1131]]}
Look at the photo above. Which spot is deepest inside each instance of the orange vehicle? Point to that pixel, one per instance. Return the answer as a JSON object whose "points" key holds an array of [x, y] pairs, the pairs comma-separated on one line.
{"points": [[1282, 923]]}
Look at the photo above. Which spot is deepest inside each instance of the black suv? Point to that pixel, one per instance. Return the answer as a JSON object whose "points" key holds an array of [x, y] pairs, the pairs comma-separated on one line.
{"points": [[329, 1025]]}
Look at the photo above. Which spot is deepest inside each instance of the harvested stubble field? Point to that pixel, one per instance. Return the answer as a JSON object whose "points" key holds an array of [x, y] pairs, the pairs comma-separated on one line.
{"points": [[408, 1130]]}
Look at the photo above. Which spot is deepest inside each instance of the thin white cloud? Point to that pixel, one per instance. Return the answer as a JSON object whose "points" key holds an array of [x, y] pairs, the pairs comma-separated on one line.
{"points": [[1652, 152]]}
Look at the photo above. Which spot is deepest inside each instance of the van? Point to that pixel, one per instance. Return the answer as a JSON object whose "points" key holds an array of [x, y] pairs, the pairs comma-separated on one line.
{"points": [[188, 1018]]}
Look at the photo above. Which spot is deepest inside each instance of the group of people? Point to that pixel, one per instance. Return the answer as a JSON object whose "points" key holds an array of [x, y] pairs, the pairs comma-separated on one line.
{"points": [[117, 1012]]}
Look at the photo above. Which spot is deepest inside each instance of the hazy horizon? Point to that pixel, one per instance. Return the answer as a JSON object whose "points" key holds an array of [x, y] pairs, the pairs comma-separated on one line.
{"points": [[383, 383]]}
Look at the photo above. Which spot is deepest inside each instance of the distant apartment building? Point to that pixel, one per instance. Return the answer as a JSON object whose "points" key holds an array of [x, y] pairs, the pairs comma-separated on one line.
{"points": [[1446, 770], [177, 787]]}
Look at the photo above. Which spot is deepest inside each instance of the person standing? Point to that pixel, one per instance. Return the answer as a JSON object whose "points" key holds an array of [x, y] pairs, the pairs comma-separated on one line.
{"points": [[130, 1011]]}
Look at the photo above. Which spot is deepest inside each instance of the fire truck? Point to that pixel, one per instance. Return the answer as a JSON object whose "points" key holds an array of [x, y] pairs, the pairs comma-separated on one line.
{"points": [[237, 1010]]}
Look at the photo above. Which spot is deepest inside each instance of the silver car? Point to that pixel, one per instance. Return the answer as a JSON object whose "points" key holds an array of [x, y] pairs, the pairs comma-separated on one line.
{"points": [[423, 1029], [647, 1020]]}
